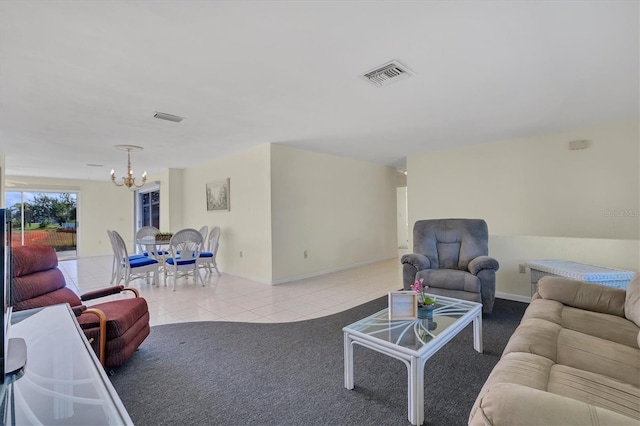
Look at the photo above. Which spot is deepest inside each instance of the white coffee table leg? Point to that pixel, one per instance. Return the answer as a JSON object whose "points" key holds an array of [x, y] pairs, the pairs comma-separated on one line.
{"points": [[348, 362], [416, 391], [477, 333]]}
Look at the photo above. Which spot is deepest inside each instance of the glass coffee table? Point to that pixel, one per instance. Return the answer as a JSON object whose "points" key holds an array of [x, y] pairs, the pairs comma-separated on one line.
{"points": [[413, 342]]}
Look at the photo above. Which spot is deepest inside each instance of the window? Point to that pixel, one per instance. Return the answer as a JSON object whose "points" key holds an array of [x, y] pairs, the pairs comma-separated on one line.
{"points": [[44, 218]]}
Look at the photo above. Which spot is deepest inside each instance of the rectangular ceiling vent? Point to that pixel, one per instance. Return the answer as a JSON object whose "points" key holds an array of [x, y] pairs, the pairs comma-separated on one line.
{"points": [[168, 117], [388, 73]]}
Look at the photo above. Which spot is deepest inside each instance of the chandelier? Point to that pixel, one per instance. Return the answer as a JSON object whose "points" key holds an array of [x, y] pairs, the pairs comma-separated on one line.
{"points": [[128, 180]]}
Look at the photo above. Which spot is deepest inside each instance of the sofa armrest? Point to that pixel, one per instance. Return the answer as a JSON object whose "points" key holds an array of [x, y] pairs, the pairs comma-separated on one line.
{"points": [[107, 292], [417, 260], [78, 310], [513, 404], [582, 295], [483, 262]]}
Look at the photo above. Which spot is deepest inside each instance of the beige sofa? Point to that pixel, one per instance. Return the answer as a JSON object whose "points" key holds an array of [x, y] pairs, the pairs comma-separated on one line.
{"points": [[573, 360]]}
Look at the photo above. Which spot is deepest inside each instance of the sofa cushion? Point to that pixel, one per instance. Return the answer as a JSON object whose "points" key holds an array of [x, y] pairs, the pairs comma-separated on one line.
{"points": [[62, 295], [26, 260], [632, 301], [450, 279], [136, 262], [513, 404], [41, 288], [578, 294], [521, 368], [548, 310], [600, 356], [575, 349], [122, 314], [120, 348], [595, 389], [609, 327], [535, 336]]}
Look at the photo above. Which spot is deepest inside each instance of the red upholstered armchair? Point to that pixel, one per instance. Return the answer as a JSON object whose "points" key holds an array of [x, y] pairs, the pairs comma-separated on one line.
{"points": [[115, 328]]}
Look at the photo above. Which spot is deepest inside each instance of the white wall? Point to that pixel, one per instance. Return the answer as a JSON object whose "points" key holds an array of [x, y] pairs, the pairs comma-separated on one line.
{"points": [[101, 206], [540, 199], [342, 212], [247, 227]]}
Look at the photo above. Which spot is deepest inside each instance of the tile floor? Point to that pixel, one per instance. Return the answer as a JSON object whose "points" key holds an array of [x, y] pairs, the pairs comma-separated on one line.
{"points": [[231, 298]]}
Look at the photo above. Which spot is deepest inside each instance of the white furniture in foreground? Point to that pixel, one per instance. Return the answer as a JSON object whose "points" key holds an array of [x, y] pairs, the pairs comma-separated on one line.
{"points": [[413, 342], [63, 382]]}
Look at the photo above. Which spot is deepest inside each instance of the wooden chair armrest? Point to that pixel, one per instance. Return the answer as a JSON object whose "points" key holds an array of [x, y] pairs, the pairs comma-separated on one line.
{"points": [[102, 343], [133, 290]]}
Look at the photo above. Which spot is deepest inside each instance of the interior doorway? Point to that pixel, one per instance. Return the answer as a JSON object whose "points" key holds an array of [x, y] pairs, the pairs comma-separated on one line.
{"points": [[147, 207]]}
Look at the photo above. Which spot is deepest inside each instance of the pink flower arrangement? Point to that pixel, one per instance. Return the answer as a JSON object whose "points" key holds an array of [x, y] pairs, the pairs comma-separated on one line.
{"points": [[423, 299]]}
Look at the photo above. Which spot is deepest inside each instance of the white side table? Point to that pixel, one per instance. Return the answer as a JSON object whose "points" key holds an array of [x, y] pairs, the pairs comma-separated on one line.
{"points": [[578, 271]]}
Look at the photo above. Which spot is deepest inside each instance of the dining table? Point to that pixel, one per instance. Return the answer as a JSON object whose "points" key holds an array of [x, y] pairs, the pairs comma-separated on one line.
{"points": [[155, 247]]}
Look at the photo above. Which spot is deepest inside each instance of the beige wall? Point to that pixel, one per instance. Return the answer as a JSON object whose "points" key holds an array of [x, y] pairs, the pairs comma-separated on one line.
{"points": [[101, 206], [342, 212], [247, 227], [2, 182], [540, 199], [174, 199], [283, 201]]}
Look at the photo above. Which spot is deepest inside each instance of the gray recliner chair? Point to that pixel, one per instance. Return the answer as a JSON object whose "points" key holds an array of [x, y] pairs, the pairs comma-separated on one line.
{"points": [[452, 255]]}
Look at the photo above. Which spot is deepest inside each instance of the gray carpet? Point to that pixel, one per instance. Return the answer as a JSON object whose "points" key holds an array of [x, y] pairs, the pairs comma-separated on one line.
{"points": [[224, 373]]}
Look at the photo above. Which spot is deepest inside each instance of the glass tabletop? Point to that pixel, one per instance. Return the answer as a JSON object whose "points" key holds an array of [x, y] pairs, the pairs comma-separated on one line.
{"points": [[415, 334], [63, 382]]}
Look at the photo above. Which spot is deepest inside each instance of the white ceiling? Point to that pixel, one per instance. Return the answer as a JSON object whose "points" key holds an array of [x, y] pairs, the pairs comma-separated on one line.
{"points": [[78, 77]]}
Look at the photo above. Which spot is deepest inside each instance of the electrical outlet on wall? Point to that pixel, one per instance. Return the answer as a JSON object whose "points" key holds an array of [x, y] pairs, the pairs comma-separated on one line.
{"points": [[305, 254], [240, 253], [521, 268]]}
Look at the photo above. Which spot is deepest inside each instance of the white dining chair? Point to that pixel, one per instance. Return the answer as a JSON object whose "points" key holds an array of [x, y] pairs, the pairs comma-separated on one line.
{"points": [[207, 258], [184, 251], [146, 232], [115, 264], [204, 231], [132, 267]]}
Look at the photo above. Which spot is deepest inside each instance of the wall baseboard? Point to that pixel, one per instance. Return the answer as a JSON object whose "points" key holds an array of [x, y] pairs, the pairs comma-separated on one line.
{"points": [[514, 297], [328, 271], [309, 275]]}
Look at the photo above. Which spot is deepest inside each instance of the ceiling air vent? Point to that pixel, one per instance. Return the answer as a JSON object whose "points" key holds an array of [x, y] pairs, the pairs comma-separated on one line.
{"points": [[388, 73], [168, 117]]}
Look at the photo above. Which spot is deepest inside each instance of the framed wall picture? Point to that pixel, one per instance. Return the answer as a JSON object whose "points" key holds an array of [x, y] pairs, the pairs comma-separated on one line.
{"points": [[218, 195], [403, 305]]}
